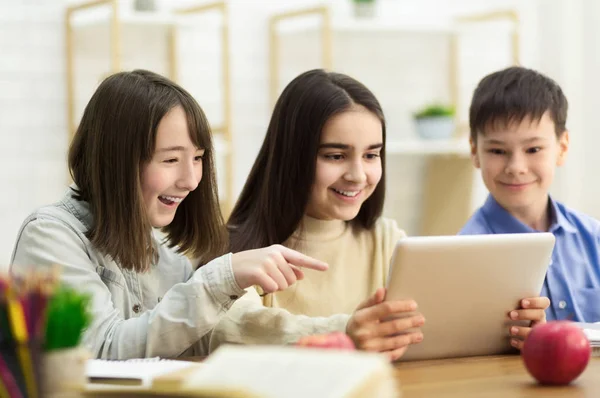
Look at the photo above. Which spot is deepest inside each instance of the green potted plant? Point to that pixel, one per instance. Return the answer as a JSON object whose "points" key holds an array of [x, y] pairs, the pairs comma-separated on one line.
{"points": [[435, 121], [364, 8], [64, 359]]}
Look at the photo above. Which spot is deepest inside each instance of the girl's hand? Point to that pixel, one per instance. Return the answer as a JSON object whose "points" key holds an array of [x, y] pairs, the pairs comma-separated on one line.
{"points": [[272, 268], [375, 325]]}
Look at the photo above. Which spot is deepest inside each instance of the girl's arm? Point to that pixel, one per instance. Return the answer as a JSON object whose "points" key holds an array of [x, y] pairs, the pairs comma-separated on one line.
{"points": [[373, 326], [250, 322], [188, 311]]}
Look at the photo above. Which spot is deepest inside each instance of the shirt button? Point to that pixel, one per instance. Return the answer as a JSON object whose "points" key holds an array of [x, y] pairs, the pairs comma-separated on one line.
{"points": [[562, 304], [137, 308], [234, 297]]}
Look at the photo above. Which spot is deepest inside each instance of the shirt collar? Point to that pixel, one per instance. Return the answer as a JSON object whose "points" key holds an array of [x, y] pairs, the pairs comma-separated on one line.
{"points": [[502, 222], [79, 208], [561, 221]]}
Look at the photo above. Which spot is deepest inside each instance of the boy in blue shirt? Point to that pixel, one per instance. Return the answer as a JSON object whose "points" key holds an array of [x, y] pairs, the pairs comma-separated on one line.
{"points": [[518, 138]]}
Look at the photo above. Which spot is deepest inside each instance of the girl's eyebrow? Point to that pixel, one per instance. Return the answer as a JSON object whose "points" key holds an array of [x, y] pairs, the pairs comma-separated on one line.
{"points": [[335, 145], [176, 148], [171, 148]]}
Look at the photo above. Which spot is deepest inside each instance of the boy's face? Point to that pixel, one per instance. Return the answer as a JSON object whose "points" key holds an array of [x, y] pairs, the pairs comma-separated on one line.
{"points": [[518, 163]]}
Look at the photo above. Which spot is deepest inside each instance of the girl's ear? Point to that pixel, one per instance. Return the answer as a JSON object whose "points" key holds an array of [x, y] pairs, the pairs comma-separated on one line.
{"points": [[563, 148], [474, 155]]}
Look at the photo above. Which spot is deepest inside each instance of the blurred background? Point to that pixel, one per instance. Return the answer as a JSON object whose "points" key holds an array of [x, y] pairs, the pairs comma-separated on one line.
{"points": [[421, 58]]}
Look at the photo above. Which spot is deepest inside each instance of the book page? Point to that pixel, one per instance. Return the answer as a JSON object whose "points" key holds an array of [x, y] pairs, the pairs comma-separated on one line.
{"points": [[294, 372]]}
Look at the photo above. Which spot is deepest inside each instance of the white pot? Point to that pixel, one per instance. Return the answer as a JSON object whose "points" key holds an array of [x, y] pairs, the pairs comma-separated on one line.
{"points": [[435, 127], [144, 5], [63, 371]]}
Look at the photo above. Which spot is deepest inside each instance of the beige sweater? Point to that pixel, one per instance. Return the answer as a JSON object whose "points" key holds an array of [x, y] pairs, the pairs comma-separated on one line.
{"points": [[358, 265], [323, 301]]}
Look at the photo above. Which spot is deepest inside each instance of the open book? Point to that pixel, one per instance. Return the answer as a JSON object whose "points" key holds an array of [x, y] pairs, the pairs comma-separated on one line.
{"points": [[296, 373], [291, 372]]}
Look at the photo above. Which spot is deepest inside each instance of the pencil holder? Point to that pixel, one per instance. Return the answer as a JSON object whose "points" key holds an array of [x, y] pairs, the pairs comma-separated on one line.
{"points": [[40, 324], [63, 372], [20, 368]]}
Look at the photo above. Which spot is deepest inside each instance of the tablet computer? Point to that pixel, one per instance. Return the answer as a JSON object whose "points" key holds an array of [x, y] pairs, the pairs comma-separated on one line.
{"points": [[465, 286]]}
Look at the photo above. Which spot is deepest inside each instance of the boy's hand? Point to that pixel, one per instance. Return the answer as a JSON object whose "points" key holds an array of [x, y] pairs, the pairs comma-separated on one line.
{"points": [[532, 309], [371, 329]]}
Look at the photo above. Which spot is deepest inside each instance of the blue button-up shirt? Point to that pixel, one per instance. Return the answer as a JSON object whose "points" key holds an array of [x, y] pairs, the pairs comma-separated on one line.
{"points": [[573, 279]]}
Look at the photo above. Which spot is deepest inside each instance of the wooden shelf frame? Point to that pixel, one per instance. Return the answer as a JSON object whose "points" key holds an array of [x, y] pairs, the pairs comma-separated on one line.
{"points": [[274, 55]]}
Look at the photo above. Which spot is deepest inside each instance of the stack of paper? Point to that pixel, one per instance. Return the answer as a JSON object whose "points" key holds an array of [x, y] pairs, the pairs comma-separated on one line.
{"points": [[593, 336], [138, 372], [592, 331]]}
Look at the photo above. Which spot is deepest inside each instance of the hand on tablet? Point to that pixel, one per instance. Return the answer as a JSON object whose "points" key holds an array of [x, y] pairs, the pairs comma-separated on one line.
{"points": [[371, 328], [531, 309]]}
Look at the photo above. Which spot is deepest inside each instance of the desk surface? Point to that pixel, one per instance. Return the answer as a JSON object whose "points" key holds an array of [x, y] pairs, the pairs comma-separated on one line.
{"points": [[489, 377], [500, 376]]}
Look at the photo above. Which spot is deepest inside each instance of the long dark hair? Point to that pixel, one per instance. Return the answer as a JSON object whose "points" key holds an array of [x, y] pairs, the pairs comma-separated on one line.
{"points": [[274, 198], [115, 138]]}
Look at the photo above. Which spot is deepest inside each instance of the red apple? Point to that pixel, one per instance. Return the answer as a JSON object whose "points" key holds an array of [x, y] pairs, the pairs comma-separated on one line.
{"points": [[335, 340], [556, 352]]}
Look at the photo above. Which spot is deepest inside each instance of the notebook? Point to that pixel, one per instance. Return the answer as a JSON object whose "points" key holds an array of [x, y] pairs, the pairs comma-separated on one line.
{"points": [[132, 372], [592, 331]]}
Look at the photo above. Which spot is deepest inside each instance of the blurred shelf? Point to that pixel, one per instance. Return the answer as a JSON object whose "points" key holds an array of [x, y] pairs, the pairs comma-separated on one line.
{"points": [[353, 25], [372, 25], [102, 17], [141, 18], [447, 183], [456, 147], [116, 22]]}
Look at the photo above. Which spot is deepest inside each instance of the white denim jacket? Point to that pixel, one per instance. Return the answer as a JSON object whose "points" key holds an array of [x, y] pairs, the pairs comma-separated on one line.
{"points": [[168, 311], [163, 312]]}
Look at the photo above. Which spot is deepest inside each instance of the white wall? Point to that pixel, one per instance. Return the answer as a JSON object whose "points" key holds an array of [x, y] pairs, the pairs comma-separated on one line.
{"points": [[585, 191], [559, 36], [562, 58], [32, 121]]}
